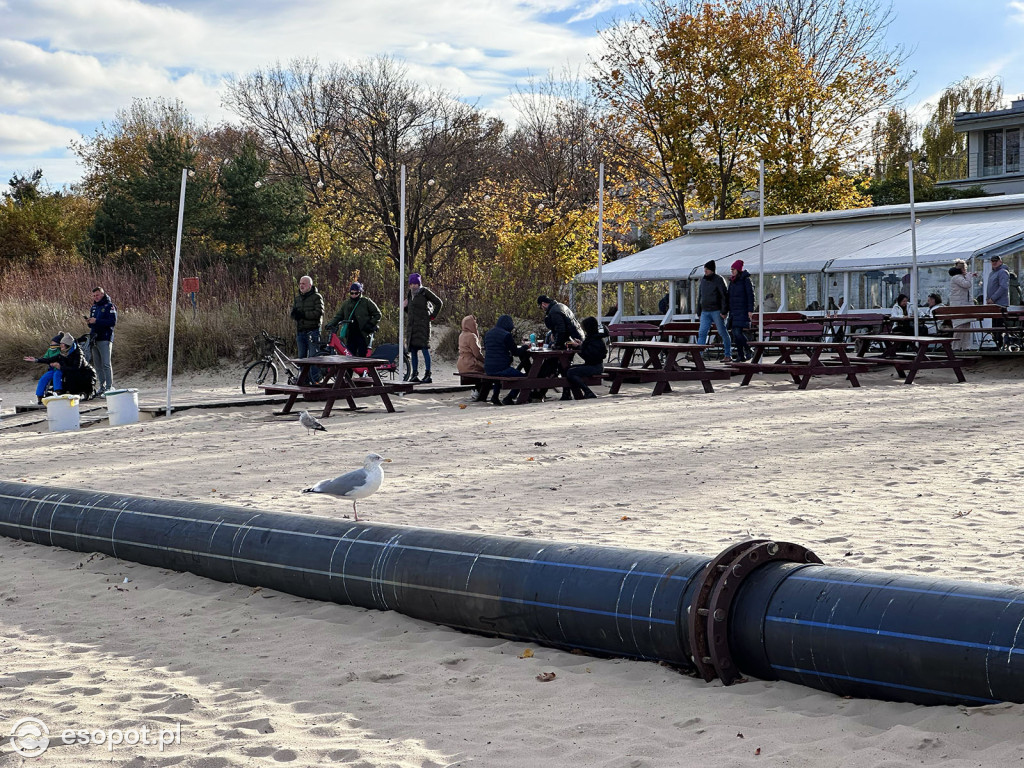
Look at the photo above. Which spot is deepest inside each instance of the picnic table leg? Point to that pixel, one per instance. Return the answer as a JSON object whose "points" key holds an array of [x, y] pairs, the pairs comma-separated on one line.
{"points": [[921, 356], [845, 360], [375, 376], [698, 365], [756, 358], [811, 362], [654, 359], [956, 365]]}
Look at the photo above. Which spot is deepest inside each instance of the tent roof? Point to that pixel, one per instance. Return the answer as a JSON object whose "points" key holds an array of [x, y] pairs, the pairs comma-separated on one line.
{"points": [[833, 241]]}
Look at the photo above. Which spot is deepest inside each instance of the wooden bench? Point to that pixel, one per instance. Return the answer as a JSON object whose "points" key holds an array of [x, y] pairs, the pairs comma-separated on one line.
{"points": [[799, 370], [662, 366], [631, 331], [809, 331], [1002, 321]]}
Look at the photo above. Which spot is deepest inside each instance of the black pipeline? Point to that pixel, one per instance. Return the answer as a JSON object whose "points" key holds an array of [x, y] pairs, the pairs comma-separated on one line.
{"points": [[762, 608]]}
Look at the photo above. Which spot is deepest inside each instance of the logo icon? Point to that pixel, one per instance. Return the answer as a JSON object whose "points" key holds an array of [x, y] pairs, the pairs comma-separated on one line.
{"points": [[30, 737]]}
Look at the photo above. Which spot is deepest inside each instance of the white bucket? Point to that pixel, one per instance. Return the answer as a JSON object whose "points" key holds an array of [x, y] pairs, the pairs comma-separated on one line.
{"points": [[62, 412], [122, 406]]}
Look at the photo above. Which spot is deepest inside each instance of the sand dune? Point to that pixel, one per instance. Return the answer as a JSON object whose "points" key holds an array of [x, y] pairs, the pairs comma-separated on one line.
{"points": [[920, 479]]}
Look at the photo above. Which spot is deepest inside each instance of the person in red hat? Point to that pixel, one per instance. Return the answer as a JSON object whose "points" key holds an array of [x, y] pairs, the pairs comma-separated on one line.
{"points": [[741, 309]]}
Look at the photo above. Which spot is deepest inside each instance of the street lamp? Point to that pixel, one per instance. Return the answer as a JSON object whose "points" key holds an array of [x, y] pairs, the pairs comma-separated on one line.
{"points": [[185, 174]]}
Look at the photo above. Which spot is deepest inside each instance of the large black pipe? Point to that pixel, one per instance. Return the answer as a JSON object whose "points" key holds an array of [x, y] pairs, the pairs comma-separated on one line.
{"points": [[850, 632]]}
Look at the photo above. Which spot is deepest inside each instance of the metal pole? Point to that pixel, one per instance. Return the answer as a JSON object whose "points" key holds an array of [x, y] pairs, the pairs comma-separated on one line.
{"points": [[174, 288], [600, 238], [401, 276], [913, 248], [760, 279]]}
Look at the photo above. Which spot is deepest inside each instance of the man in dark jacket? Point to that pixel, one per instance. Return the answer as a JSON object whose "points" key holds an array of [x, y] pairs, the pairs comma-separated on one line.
{"points": [[741, 308], [357, 320], [102, 319], [308, 313], [499, 347], [560, 321], [713, 300]]}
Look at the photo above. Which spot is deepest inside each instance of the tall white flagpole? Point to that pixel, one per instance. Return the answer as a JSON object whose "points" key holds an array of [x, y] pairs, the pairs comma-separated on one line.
{"points": [[401, 278], [600, 238], [913, 249], [760, 279], [174, 287]]}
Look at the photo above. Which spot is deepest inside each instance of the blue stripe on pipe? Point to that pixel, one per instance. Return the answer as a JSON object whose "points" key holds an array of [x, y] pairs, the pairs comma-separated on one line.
{"points": [[331, 537], [915, 590], [376, 581], [901, 635], [883, 683]]}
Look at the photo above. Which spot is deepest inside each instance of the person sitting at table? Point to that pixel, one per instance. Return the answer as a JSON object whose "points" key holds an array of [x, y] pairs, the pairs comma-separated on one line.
{"points": [[593, 352], [471, 356], [900, 315], [499, 347]]}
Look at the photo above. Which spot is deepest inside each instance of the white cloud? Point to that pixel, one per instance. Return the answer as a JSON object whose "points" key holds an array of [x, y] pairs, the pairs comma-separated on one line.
{"points": [[1018, 11], [28, 136]]}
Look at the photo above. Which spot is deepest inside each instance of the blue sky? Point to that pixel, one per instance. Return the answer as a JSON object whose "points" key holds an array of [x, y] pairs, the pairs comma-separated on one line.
{"points": [[66, 66]]}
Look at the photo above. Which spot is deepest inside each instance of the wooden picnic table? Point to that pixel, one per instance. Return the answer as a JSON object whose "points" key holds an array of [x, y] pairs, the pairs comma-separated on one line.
{"points": [[662, 366], [340, 382], [908, 363], [801, 370]]}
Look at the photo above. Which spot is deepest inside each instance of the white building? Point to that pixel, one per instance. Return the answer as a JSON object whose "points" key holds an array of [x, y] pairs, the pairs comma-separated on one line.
{"points": [[993, 150]]}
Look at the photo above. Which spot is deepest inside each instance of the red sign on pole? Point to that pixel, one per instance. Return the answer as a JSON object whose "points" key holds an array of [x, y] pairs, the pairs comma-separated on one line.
{"points": [[190, 284]]}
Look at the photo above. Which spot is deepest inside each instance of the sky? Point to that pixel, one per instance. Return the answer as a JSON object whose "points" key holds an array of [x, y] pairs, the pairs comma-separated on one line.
{"points": [[68, 66]]}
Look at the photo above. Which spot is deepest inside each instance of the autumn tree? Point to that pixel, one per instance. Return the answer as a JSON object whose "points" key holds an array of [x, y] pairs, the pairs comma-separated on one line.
{"points": [[944, 149], [345, 132], [38, 226]]}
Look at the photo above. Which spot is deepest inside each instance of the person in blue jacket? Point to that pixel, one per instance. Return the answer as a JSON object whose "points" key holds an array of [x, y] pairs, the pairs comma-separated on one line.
{"points": [[51, 377], [741, 309], [499, 347], [102, 319]]}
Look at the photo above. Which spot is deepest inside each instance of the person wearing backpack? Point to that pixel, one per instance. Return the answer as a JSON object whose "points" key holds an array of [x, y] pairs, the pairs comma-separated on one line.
{"points": [[356, 321]]}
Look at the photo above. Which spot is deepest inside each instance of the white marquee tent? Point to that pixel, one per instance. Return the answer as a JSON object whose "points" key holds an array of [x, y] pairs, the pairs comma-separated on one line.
{"points": [[851, 245]]}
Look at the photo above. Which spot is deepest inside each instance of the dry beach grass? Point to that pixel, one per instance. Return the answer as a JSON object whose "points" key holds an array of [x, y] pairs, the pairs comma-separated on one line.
{"points": [[920, 479]]}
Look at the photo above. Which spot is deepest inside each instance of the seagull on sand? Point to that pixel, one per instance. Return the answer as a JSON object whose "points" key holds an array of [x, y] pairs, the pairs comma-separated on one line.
{"points": [[311, 423], [355, 485]]}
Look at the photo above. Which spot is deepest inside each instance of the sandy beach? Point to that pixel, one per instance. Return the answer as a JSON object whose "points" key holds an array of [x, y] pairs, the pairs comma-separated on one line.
{"points": [[917, 480]]}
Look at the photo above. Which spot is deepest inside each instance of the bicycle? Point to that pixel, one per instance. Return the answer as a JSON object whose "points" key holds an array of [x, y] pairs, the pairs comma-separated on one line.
{"points": [[265, 370]]}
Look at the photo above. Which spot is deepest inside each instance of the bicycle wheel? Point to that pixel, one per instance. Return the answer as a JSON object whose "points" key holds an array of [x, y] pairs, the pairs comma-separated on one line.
{"points": [[260, 372]]}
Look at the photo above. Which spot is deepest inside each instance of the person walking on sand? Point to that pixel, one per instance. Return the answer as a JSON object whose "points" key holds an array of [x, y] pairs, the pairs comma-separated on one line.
{"points": [[356, 321], [424, 305], [713, 300], [741, 308], [471, 355], [102, 319]]}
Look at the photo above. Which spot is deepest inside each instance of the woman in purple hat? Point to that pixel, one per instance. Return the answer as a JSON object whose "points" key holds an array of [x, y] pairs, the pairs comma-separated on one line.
{"points": [[741, 309], [423, 305]]}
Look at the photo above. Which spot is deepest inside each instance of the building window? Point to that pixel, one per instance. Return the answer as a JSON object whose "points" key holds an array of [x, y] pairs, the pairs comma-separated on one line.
{"points": [[1000, 151]]}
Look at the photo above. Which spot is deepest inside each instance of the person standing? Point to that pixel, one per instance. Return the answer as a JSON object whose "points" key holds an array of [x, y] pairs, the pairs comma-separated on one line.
{"points": [[308, 314], [561, 321], [741, 307], [102, 319], [960, 296], [356, 321], [998, 295], [713, 300], [423, 305]]}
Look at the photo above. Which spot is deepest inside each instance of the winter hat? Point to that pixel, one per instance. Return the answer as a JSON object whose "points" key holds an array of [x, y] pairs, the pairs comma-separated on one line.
{"points": [[67, 338], [738, 265], [355, 287], [710, 265], [414, 279], [56, 339], [544, 300]]}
